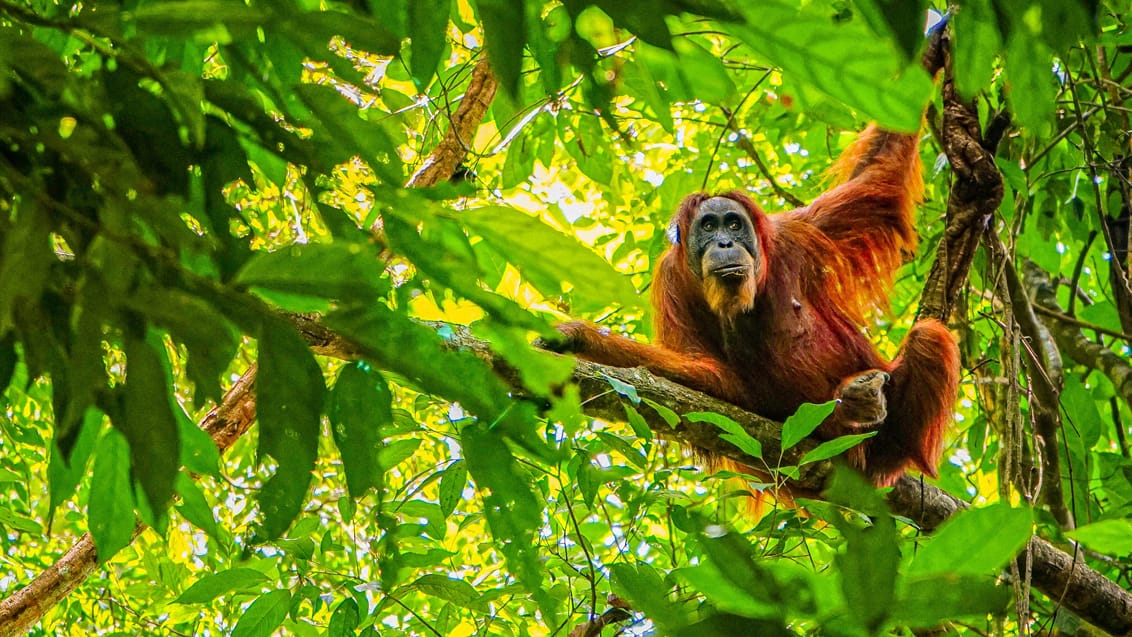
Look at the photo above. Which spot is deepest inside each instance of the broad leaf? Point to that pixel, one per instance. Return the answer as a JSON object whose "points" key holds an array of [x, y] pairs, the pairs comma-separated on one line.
{"points": [[453, 480], [975, 41], [1113, 536], [504, 26], [149, 425], [457, 591], [734, 432], [546, 257], [643, 587], [804, 421], [344, 620], [110, 510], [512, 509], [844, 60], [345, 271], [360, 406], [264, 615], [837, 446], [428, 30], [929, 601], [1002, 532], [290, 392], [210, 587]]}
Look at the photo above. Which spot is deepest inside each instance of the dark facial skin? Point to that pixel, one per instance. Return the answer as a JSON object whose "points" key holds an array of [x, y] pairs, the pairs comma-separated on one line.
{"points": [[722, 242]]}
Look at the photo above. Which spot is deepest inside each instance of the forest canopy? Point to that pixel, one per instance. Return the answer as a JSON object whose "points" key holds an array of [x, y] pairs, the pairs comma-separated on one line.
{"points": [[275, 279]]}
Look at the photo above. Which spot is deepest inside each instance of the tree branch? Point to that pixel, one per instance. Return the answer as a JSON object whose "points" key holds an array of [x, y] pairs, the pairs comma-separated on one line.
{"points": [[1067, 334], [448, 154], [23, 608], [1059, 575], [236, 413], [976, 191], [1045, 371]]}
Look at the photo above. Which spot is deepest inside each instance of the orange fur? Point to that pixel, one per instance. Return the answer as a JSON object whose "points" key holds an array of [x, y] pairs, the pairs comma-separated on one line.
{"points": [[792, 333]]}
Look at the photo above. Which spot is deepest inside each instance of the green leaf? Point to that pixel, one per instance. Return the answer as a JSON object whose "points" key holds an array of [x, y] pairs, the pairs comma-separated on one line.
{"points": [[264, 615], [643, 77], [208, 336], [868, 570], [804, 421], [901, 21], [546, 256], [210, 587], [666, 414], [360, 406], [195, 508], [9, 519], [344, 620], [519, 163], [505, 30], [646, 22], [348, 134], [642, 586], [153, 139], [732, 556], [149, 424], [1079, 400], [724, 594], [580, 137], [360, 32], [623, 389], [397, 452], [290, 393], [845, 60], [110, 509], [589, 479], [976, 41], [442, 251], [1002, 532], [1032, 90], [415, 351], [457, 591], [428, 30], [850, 489], [540, 371], [735, 434], [837, 446], [346, 271], [198, 450], [637, 422], [452, 483], [225, 160], [928, 602], [704, 73], [8, 359], [178, 19], [64, 474], [1112, 536], [25, 260], [635, 456], [512, 509]]}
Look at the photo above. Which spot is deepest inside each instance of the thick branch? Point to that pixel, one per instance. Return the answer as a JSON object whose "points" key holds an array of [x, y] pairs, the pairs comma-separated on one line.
{"points": [[1060, 576], [448, 154], [976, 191]]}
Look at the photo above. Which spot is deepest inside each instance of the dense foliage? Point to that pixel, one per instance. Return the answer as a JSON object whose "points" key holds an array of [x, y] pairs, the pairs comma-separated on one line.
{"points": [[181, 179]]}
